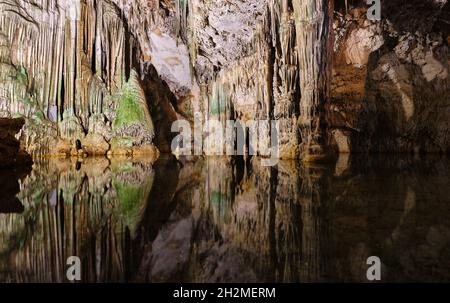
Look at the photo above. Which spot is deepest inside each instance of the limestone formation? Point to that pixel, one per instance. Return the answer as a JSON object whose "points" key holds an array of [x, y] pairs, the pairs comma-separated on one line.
{"points": [[15, 164], [391, 85], [332, 79], [69, 72], [12, 155]]}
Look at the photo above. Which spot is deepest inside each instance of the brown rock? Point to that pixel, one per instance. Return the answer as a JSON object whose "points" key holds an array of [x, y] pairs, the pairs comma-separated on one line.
{"points": [[14, 164], [10, 151], [95, 145]]}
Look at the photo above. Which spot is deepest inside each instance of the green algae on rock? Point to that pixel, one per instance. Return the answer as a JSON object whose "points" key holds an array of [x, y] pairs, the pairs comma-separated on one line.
{"points": [[63, 63], [100, 201], [132, 125]]}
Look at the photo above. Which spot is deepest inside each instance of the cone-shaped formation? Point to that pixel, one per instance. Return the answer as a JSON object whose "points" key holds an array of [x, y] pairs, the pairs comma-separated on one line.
{"points": [[66, 69]]}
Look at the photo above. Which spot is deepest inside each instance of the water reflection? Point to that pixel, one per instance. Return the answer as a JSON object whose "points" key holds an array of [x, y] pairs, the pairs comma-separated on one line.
{"points": [[229, 220]]}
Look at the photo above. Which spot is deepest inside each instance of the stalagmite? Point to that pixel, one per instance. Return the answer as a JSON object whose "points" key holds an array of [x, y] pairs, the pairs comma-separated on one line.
{"points": [[64, 72], [64, 63]]}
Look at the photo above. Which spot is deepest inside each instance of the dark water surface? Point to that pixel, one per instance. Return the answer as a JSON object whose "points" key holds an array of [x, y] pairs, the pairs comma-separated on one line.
{"points": [[229, 220]]}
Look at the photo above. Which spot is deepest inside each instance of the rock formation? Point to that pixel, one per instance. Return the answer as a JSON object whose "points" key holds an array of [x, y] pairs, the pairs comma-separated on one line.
{"points": [[110, 76], [67, 68], [15, 164], [12, 154], [391, 85]]}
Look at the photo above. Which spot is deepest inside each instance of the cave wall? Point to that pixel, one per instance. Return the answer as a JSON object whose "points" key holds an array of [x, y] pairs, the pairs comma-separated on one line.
{"points": [[264, 55], [390, 84], [67, 68], [333, 80], [387, 89]]}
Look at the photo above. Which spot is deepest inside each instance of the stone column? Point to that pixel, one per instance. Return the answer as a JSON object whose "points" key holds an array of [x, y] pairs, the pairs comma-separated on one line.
{"points": [[313, 21]]}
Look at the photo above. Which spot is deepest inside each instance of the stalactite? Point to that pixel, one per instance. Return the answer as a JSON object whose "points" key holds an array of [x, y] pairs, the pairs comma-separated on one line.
{"points": [[314, 40], [66, 61], [281, 72], [285, 77]]}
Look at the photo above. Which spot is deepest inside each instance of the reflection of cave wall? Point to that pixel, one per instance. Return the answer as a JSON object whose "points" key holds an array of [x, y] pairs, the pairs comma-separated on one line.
{"points": [[90, 209], [394, 208], [305, 224], [245, 224], [218, 220]]}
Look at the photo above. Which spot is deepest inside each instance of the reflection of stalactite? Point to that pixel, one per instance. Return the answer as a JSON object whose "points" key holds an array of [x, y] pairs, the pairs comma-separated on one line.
{"points": [[89, 210], [311, 203], [270, 219], [220, 188]]}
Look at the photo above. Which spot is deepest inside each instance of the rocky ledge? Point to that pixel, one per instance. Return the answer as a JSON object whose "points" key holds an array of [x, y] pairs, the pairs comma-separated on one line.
{"points": [[14, 164], [11, 153]]}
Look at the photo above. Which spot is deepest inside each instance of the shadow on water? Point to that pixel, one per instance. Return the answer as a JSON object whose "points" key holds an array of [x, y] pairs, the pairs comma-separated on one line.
{"points": [[228, 220]]}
